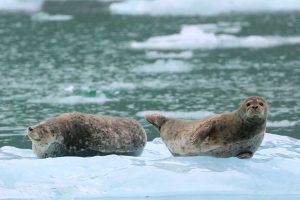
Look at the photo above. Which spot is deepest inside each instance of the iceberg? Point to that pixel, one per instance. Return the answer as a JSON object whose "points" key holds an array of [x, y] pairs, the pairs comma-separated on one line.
{"points": [[76, 99], [45, 17], [283, 123], [21, 5], [273, 172], [178, 114], [203, 7], [164, 66], [180, 55], [206, 36]]}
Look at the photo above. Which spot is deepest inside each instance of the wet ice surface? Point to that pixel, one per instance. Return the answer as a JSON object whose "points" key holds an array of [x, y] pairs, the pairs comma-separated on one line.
{"points": [[272, 172]]}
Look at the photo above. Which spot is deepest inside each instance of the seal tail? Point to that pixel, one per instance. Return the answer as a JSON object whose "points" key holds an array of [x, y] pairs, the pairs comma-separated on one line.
{"points": [[156, 119]]}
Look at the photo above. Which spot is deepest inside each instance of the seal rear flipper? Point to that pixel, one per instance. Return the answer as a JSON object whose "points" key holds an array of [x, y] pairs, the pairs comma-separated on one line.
{"points": [[156, 119]]}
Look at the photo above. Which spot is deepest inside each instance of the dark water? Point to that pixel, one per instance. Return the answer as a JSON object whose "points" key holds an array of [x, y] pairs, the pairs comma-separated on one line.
{"points": [[86, 64]]}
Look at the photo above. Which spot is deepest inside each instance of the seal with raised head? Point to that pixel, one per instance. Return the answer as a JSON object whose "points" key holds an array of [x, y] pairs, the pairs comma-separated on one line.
{"points": [[232, 134], [79, 134]]}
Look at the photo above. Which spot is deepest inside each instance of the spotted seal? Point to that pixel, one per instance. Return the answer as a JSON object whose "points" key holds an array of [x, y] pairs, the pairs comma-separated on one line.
{"points": [[232, 134], [79, 134]]}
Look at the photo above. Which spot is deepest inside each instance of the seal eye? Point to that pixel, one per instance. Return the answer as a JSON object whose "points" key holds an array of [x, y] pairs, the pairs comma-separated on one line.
{"points": [[248, 104], [30, 129], [261, 104]]}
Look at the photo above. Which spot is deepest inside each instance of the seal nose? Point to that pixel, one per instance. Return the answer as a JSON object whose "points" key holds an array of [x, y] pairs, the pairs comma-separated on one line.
{"points": [[30, 128], [254, 107]]}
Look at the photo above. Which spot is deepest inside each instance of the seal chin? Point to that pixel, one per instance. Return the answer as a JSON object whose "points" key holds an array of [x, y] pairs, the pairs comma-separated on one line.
{"points": [[33, 135], [254, 108], [255, 117], [35, 139], [255, 114]]}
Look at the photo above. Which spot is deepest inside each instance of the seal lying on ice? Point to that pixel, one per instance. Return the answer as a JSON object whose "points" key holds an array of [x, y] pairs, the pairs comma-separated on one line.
{"points": [[79, 134], [233, 134]]}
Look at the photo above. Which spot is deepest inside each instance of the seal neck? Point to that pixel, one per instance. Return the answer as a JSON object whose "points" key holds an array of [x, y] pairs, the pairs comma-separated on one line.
{"points": [[249, 122]]}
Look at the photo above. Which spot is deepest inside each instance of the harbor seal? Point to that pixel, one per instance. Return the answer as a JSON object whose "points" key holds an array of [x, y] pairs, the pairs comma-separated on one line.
{"points": [[79, 134], [232, 134]]}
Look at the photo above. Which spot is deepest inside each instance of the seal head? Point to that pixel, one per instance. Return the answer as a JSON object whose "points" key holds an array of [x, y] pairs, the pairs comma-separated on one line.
{"points": [[253, 109]]}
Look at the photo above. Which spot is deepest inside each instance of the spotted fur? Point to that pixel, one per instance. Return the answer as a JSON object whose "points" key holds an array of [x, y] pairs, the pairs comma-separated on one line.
{"points": [[79, 134], [232, 134]]}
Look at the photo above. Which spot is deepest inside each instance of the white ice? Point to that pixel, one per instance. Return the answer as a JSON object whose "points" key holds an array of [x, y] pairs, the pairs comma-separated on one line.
{"points": [[201, 7], [206, 36], [44, 17], [273, 172], [21, 5], [171, 55], [282, 123], [76, 99], [178, 114], [164, 66]]}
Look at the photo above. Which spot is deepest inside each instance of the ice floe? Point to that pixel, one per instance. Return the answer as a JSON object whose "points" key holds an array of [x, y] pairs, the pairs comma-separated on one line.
{"points": [[206, 37], [44, 17], [21, 5], [203, 7], [164, 66], [170, 55], [178, 114], [75, 99], [273, 172], [282, 123]]}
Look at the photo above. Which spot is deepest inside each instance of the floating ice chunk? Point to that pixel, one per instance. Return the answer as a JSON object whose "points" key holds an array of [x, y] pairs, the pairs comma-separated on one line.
{"points": [[21, 5], [180, 55], [72, 100], [222, 27], [164, 66], [120, 86], [154, 84], [272, 172], [11, 134], [283, 123], [73, 94], [203, 7], [197, 37], [178, 114], [43, 17], [69, 88]]}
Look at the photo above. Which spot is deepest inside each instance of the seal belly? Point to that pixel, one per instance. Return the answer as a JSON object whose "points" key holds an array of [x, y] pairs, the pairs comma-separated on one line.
{"points": [[235, 148]]}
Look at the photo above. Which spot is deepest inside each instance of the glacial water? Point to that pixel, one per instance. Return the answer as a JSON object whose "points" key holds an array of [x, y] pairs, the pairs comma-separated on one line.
{"points": [[184, 59]]}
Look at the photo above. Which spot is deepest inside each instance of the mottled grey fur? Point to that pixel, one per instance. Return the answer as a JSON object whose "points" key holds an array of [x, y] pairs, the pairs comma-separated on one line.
{"points": [[237, 133], [79, 134]]}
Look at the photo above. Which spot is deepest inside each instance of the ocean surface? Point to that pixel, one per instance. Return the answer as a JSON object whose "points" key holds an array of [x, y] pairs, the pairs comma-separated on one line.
{"points": [[189, 60]]}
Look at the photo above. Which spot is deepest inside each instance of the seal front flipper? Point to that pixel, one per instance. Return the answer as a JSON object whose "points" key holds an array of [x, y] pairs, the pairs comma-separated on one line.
{"points": [[201, 134], [156, 119], [245, 155], [55, 149]]}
